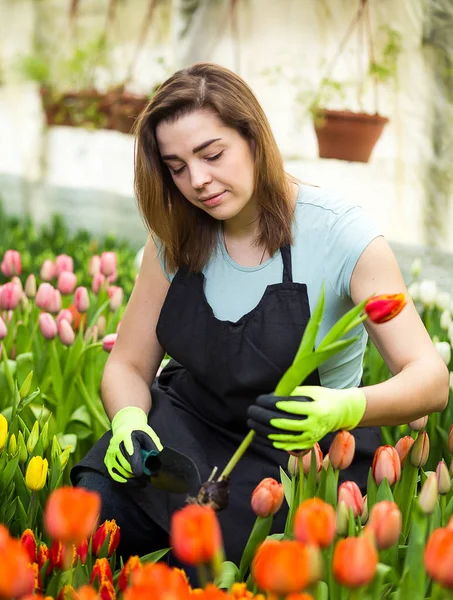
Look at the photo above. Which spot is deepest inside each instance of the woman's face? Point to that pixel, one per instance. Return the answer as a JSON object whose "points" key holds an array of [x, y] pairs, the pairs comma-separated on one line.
{"points": [[211, 164]]}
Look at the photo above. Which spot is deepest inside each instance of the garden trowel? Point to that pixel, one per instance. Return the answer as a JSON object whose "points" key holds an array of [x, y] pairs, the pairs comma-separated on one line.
{"points": [[170, 470]]}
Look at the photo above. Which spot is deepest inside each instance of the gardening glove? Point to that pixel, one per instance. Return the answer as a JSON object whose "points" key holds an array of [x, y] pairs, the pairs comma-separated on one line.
{"points": [[298, 421], [131, 434]]}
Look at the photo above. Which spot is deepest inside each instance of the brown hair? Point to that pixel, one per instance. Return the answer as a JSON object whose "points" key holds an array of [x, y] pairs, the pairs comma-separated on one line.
{"points": [[188, 234]]}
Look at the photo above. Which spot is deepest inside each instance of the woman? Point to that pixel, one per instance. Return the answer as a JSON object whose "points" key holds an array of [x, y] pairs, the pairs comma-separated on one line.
{"points": [[237, 254]]}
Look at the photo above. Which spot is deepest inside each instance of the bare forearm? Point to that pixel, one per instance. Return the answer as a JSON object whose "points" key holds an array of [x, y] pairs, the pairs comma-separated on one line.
{"points": [[122, 386], [418, 390]]}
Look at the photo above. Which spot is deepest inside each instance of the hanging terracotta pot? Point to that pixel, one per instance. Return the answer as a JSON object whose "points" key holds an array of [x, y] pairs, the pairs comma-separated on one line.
{"points": [[346, 135]]}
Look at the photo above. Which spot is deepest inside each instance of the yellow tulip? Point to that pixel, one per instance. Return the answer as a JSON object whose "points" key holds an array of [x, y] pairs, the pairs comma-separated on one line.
{"points": [[3, 431], [36, 474]]}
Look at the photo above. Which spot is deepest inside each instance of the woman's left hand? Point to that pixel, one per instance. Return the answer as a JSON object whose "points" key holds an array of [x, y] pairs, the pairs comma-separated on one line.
{"points": [[298, 421]]}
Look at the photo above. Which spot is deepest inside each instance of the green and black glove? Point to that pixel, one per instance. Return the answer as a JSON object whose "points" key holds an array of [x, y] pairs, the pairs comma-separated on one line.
{"points": [[131, 434], [298, 421]]}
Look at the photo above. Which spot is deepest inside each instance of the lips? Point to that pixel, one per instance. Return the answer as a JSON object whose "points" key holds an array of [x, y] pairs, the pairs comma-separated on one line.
{"points": [[210, 197]]}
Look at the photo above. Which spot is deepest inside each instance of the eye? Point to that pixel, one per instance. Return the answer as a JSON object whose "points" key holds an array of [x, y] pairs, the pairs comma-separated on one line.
{"points": [[176, 171], [215, 157]]}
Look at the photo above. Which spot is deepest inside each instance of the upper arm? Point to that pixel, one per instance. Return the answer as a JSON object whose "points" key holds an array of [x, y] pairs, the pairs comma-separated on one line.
{"points": [[404, 339], [137, 343]]}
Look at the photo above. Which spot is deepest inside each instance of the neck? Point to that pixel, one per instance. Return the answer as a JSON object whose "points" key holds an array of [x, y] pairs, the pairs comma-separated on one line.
{"points": [[244, 224]]}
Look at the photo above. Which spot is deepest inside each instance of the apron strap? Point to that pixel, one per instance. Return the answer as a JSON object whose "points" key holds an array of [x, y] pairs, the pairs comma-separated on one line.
{"points": [[287, 264]]}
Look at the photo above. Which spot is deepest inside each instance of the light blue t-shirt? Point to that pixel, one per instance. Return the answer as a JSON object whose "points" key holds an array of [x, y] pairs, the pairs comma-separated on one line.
{"points": [[329, 237]]}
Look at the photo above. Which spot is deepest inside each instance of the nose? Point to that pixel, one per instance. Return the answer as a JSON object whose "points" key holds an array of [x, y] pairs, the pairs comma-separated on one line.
{"points": [[199, 176]]}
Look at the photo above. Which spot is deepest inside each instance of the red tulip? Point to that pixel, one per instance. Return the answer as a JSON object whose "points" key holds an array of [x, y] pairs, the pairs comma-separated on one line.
{"points": [[11, 264], [384, 307], [341, 451], [108, 530], [355, 561], [133, 563], [71, 514], [10, 295], [402, 446], [109, 341], [349, 493], [67, 280], [43, 555], [439, 557], [195, 534], [101, 571], [385, 523], [267, 497], [386, 464], [28, 541], [314, 523]]}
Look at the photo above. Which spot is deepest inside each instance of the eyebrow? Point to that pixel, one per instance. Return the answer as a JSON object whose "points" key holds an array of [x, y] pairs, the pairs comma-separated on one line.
{"points": [[195, 150]]}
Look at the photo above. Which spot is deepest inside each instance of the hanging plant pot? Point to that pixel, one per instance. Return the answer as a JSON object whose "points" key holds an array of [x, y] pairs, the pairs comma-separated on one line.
{"points": [[346, 135]]}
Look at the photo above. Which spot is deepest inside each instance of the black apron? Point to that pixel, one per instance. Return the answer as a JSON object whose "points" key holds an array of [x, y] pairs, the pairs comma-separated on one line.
{"points": [[200, 400]]}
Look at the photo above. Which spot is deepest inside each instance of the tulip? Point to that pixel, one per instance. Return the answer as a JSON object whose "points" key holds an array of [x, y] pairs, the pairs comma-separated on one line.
{"points": [[416, 267], [116, 297], [30, 286], [11, 264], [97, 283], [81, 552], [33, 437], [195, 534], [108, 263], [66, 332], [16, 576], [342, 518], [444, 351], [43, 555], [10, 295], [414, 291], [101, 324], [443, 478], [341, 451], [47, 326], [314, 523], [349, 493], [101, 571], [43, 296], [58, 556], [267, 497], [420, 450], [55, 302], [108, 530], [386, 465], [3, 329], [293, 460], [109, 341], [48, 270], [36, 474], [364, 516], [385, 522], [450, 440], [306, 459], [326, 462], [12, 445], [28, 541], [428, 495], [113, 277], [402, 446], [71, 514], [443, 300], [445, 320], [133, 564], [63, 262], [67, 280], [285, 567], [418, 424], [95, 265], [428, 293], [66, 314], [439, 557], [354, 561], [385, 307], [81, 299], [23, 454], [158, 581]]}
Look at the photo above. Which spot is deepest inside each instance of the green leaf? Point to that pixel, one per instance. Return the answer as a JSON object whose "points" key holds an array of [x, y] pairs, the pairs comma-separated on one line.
{"points": [[24, 365], [343, 325], [82, 414], [8, 473], [259, 533], [227, 576], [384, 492], [307, 343], [286, 482], [153, 557]]}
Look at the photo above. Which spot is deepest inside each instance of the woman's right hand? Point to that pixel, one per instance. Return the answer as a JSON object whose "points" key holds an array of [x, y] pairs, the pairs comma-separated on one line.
{"points": [[131, 434]]}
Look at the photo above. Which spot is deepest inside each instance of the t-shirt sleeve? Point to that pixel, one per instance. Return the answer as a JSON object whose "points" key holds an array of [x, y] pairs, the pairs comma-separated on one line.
{"points": [[351, 232], [160, 254]]}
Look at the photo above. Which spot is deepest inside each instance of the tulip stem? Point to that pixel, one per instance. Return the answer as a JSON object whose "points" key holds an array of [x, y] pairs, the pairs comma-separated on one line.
{"points": [[32, 509], [237, 455]]}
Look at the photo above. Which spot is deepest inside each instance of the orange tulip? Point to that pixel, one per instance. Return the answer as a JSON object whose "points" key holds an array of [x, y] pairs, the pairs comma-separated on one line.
{"points": [[439, 557], [384, 307], [402, 446], [87, 592], [110, 530], [355, 561], [341, 451], [285, 567], [195, 534], [71, 514], [43, 555], [349, 493], [299, 597], [154, 579], [133, 563], [306, 460], [386, 464], [385, 522], [314, 523], [211, 592], [267, 497], [17, 577], [239, 591]]}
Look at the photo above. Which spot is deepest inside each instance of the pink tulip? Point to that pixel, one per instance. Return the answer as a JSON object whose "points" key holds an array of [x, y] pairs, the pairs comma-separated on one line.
{"points": [[55, 302], [113, 277], [427, 499], [349, 493], [385, 522], [386, 465], [65, 314], [82, 299], [63, 262], [43, 296], [11, 263], [30, 286], [3, 329], [67, 280], [108, 263], [98, 281], [48, 270], [116, 297], [95, 265], [109, 341], [10, 295], [66, 332], [341, 451], [402, 446], [418, 424], [267, 497], [101, 324], [16, 280], [443, 478], [47, 326]]}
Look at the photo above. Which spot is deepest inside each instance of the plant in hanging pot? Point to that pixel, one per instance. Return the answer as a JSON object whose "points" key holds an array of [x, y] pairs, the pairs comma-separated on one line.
{"points": [[346, 134]]}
